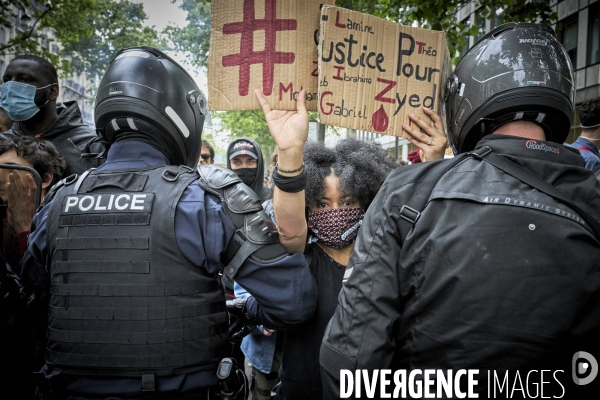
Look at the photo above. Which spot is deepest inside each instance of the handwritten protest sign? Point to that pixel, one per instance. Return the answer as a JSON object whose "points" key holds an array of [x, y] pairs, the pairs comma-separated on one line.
{"points": [[372, 72], [269, 45]]}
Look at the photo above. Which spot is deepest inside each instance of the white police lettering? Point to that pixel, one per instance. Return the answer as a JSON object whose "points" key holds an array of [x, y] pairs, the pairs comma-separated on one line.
{"points": [[138, 199], [71, 201], [107, 202], [86, 207], [121, 207], [98, 207]]}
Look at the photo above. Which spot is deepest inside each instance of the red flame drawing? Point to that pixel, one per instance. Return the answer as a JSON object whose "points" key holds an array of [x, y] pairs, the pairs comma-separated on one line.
{"points": [[380, 120]]}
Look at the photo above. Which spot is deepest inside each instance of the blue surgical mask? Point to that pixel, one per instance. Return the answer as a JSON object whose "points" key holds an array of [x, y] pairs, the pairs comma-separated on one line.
{"points": [[18, 99]]}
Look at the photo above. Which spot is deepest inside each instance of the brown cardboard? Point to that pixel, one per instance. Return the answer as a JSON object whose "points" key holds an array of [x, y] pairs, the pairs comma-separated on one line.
{"points": [[372, 72], [269, 45]]}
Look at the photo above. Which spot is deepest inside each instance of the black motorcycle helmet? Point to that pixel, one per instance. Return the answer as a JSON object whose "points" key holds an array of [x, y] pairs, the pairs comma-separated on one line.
{"points": [[518, 71], [147, 95]]}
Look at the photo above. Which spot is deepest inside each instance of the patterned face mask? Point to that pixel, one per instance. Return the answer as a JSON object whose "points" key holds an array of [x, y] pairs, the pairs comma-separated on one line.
{"points": [[336, 227]]}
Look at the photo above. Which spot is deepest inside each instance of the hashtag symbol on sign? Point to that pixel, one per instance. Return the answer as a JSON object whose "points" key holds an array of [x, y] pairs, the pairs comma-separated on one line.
{"points": [[267, 57]]}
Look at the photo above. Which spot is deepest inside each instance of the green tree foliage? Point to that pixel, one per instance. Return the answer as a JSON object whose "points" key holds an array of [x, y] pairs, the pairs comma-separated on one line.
{"points": [[441, 15], [103, 28], [90, 31], [247, 123], [194, 38]]}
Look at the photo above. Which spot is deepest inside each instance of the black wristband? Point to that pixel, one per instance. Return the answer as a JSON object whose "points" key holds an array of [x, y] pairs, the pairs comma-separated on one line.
{"points": [[290, 184]]}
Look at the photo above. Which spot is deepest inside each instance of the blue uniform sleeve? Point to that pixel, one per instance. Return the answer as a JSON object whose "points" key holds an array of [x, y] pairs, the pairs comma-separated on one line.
{"points": [[35, 278], [284, 292]]}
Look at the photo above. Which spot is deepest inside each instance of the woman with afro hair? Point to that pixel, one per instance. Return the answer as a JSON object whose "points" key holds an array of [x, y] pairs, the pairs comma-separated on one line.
{"points": [[319, 200]]}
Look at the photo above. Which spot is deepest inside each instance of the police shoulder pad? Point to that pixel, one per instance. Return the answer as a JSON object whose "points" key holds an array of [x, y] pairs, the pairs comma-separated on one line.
{"points": [[240, 199], [217, 177]]}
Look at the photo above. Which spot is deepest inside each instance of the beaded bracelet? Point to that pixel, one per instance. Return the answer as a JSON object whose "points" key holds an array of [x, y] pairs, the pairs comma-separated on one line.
{"points": [[290, 171]]}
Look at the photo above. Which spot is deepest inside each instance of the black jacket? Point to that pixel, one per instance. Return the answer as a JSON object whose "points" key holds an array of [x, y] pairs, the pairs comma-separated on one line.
{"points": [[258, 184], [494, 274], [70, 135]]}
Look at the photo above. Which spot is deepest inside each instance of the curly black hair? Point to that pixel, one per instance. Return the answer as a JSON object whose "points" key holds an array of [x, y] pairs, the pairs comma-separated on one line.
{"points": [[589, 113], [361, 167], [40, 153]]}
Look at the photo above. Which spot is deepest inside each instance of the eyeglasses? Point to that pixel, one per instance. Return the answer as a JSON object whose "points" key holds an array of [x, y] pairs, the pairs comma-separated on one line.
{"points": [[205, 157]]}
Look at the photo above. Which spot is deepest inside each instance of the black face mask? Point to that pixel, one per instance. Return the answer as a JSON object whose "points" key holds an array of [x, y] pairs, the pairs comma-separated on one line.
{"points": [[247, 175]]}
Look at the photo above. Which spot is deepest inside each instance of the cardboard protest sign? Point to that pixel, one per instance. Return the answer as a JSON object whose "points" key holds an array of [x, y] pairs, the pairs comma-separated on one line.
{"points": [[372, 72], [269, 45]]}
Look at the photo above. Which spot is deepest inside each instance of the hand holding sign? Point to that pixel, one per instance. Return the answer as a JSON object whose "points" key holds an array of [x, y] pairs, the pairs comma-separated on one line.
{"points": [[429, 138], [373, 73]]}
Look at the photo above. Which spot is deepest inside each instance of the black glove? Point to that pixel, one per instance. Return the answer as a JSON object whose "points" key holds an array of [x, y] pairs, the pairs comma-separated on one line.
{"points": [[240, 323]]}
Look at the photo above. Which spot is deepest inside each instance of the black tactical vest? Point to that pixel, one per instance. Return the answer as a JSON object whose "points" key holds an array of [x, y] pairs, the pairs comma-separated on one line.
{"points": [[125, 301]]}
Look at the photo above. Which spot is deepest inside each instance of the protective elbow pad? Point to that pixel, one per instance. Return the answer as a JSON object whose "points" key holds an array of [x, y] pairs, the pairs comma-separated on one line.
{"points": [[256, 235]]}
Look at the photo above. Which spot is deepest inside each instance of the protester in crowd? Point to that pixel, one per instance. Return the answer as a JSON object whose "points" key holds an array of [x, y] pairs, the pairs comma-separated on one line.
{"points": [[290, 139], [589, 141], [488, 261], [337, 186], [341, 183], [134, 248], [5, 121], [244, 156], [28, 94], [262, 348], [18, 193], [18, 188], [207, 153]]}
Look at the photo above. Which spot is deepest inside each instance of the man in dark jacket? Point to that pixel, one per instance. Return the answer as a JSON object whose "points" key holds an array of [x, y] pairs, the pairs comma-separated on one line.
{"points": [[589, 141], [495, 273], [125, 259], [29, 92], [244, 156]]}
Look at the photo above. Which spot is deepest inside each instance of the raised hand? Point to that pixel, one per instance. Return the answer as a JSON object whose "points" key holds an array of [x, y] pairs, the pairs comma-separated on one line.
{"points": [[21, 200], [288, 128], [430, 138]]}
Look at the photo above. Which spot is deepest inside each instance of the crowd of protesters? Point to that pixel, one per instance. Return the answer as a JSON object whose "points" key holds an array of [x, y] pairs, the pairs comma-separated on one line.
{"points": [[358, 262]]}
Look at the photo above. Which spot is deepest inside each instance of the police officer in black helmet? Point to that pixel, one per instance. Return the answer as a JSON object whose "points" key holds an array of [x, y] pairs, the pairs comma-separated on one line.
{"points": [[125, 258], [489, 261]]}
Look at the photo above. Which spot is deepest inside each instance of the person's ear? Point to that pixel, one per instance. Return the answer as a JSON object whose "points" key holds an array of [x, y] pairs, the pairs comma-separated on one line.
{"points": [[54, 91], [47, 179]]}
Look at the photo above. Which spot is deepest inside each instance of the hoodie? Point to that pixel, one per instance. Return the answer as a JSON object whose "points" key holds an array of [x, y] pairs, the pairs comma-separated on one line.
{"points": [[70, 135], [258, 183]]}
